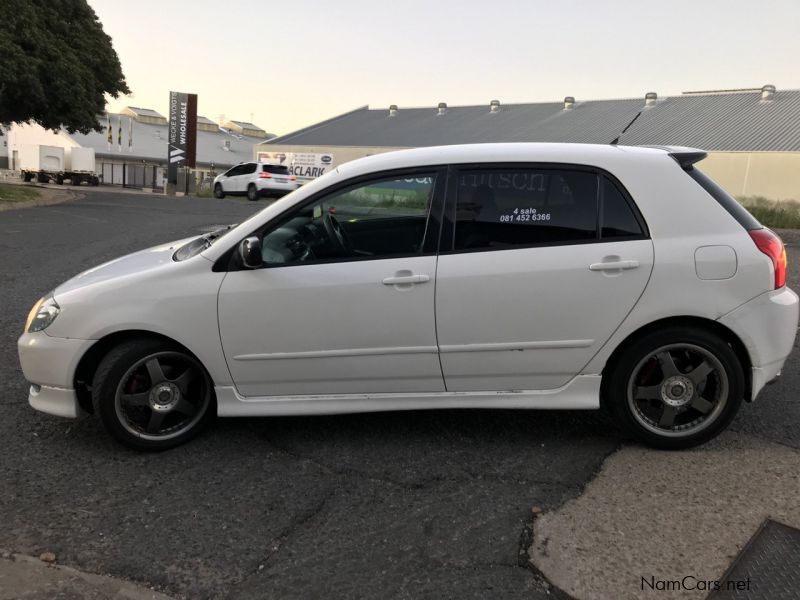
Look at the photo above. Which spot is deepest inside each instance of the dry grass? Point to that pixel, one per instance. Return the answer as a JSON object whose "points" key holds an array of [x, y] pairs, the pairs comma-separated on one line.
{"points": [[17, 193], [771, 213]]}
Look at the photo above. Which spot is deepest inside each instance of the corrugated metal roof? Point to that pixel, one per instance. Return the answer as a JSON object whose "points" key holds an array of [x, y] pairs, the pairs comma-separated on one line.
{"points": [[738, 121], [597, 122], [246, 125], [733, 122], [205, 120], [144, 112], [150, 143]]}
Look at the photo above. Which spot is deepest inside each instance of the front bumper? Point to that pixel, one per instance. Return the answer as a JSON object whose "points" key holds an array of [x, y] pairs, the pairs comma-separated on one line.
{"points": [[49, 364], [767, 325]]}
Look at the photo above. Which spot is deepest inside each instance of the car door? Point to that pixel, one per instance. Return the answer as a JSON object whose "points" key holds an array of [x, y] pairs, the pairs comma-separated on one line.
{"points": [[245, 176], [539, 266], [228, 179], [344, 300]]}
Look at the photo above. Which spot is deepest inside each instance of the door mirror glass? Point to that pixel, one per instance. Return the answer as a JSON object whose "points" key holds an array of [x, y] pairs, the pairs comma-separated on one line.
{"points": [[250, 252]]}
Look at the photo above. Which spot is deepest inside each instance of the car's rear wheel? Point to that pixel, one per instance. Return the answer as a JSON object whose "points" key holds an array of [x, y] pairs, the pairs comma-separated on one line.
{"points": [[677, 387], [252, 192], [218, 191], [152, 395]]}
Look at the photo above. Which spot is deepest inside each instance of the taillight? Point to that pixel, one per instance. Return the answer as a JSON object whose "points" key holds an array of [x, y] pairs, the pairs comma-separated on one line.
{"points": [[771, 245], [264, 175], [292, 177]]}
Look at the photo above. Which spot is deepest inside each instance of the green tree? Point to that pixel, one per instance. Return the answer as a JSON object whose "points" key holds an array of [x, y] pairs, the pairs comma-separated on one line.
{"points": [[56, 64]]}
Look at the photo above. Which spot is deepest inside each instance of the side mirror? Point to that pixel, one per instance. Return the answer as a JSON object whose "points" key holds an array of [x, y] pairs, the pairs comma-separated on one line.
{"points": [[250, 251]]}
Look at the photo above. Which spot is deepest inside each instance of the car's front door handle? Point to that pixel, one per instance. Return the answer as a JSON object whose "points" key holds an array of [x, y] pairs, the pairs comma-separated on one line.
{"points": [[617, 265], [406, 279]]}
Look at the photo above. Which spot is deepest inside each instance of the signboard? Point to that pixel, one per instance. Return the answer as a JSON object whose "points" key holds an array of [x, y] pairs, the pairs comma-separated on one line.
{"points": [[182, 144], [305, 165]]}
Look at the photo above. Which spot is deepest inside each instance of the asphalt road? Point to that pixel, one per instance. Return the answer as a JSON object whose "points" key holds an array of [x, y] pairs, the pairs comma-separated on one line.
{"points": [[394, 505]]}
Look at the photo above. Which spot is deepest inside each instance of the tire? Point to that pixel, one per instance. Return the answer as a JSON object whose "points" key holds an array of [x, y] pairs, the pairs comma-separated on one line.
{"points": [[151, 395], [656, 393], [94, 181], [252, 192], [218, 191], [42, 178], [76, 180], [27, 177], [60, 179]]}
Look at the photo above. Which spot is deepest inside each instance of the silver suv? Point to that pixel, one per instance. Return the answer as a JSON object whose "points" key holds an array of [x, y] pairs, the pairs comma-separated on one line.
{"points": [[255, 179]]}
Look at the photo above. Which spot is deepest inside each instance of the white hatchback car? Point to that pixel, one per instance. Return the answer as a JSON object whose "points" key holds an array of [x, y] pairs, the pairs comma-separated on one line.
{"points": [[529, 276], [255, 179]]}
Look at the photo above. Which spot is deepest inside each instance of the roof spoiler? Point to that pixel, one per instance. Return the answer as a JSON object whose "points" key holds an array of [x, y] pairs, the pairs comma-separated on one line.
{"points": [[687, 158]]}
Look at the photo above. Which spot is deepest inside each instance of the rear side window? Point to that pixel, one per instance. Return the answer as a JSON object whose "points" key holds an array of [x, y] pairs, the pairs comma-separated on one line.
{"points": [[728, 202], [618, 220], [275, 169], [499, 209]]}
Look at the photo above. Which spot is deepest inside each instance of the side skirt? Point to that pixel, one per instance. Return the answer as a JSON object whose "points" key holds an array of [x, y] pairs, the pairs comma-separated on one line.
{"points": [[581, 393]]}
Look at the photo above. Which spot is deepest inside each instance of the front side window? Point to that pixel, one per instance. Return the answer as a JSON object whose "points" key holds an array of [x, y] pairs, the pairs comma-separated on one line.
{"points": [[499, 209], [381, 218]]}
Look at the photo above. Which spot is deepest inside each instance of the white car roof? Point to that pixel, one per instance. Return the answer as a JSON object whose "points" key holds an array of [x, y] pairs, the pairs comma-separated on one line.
{"points": [[600, 155]]}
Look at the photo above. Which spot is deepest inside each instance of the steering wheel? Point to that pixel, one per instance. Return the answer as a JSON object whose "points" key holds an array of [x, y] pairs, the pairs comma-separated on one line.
{"points": [[337, 234]]}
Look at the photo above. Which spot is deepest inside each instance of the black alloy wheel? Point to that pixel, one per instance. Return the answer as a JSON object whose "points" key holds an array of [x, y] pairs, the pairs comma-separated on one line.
{"points": [[152, 395]]}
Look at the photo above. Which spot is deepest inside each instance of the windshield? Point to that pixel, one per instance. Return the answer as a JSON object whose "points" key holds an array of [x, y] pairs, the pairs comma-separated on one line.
{"points": [[197, 245]]}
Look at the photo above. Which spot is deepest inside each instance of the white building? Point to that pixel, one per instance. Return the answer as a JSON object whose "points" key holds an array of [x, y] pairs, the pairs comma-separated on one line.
{"points": [[136, 156]]}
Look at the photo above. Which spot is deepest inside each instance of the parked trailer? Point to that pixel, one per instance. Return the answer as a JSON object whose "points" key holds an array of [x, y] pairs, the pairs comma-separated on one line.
{"points": [[80, 166], [55, 163]]}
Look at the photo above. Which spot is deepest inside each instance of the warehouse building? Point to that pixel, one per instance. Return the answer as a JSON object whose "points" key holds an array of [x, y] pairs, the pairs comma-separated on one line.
{"points": [[752, 135], [136, 156]]}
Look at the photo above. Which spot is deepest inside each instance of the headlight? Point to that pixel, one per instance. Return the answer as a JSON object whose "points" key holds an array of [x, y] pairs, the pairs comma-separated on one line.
{"points": [[43, 313]]}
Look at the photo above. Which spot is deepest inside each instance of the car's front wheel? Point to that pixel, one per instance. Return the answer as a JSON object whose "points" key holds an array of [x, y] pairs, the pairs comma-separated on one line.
{"points": [[676, 388], [152, 395], [218, 191], [252, 192]]}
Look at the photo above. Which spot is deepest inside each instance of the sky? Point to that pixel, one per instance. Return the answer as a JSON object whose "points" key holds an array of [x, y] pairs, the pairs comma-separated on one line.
{"points": [[287, 65]]}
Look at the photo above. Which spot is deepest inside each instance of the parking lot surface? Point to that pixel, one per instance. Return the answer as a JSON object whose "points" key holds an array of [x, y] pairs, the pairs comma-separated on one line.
{"points": [[405, 505], [395, 505]]}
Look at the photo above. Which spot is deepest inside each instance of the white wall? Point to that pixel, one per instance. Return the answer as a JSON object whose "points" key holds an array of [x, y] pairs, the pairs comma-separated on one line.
{"points": [[773, 175], [3, 142], [19, 135]]}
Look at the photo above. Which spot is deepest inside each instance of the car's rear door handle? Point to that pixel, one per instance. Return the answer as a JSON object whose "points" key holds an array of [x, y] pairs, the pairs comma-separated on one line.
{"points": [[617, 265], [405, 279]]}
